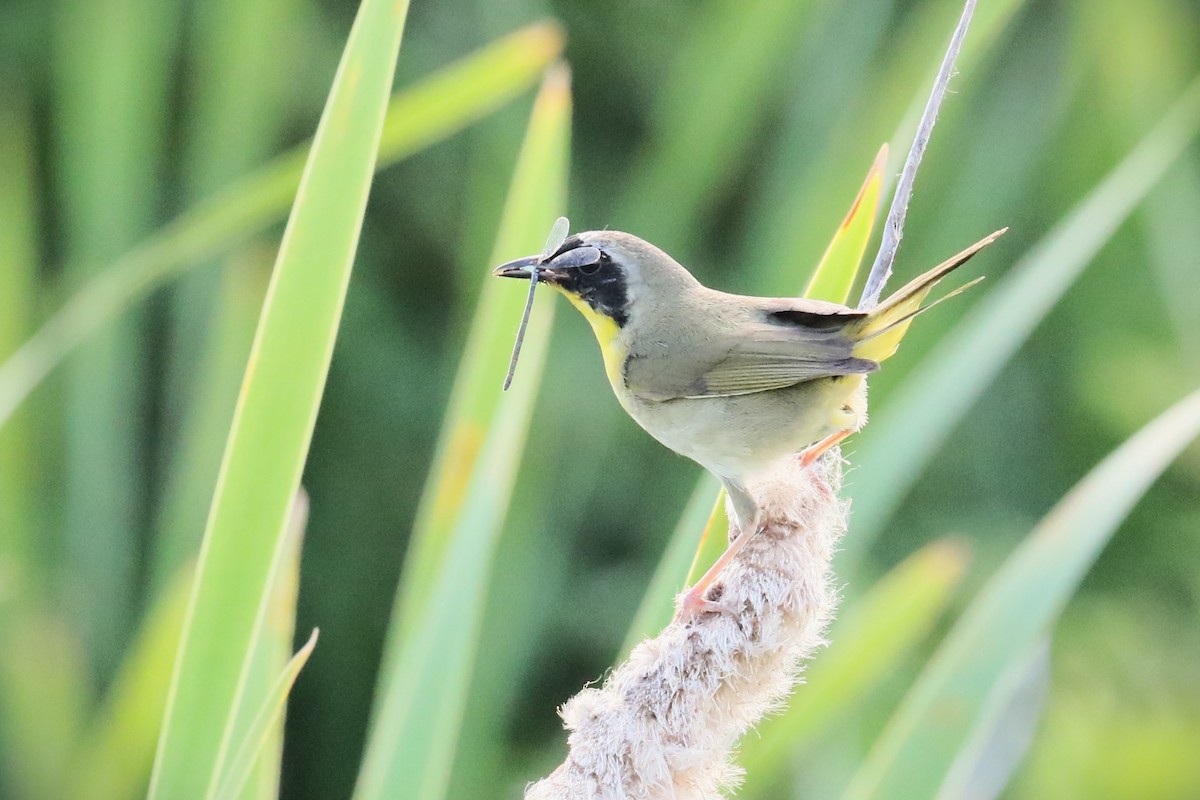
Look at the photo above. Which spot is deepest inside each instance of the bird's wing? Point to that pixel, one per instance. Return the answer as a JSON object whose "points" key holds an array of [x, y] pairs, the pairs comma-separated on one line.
{"points": [[783, 342]]}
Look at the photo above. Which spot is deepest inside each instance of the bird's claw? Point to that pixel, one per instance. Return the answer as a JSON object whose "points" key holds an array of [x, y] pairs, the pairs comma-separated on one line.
{"points": [[693, 604]]}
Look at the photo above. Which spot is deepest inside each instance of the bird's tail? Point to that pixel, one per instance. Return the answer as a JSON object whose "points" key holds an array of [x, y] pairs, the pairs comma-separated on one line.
{"points": [[878, 335]]}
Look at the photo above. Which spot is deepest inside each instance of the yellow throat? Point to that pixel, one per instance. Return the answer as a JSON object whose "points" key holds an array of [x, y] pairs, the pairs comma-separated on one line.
{"points": [[606, 330]]}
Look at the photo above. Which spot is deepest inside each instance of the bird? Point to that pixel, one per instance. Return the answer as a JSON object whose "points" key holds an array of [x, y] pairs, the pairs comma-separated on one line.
{"points": [[732, 382]]}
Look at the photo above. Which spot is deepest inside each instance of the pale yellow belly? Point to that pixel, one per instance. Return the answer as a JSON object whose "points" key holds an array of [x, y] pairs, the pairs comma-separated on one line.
{"points": [[739, 436]]}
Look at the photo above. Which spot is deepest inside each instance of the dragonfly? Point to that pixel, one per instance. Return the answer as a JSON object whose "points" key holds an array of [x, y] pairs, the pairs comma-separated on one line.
{"points": [[558, 235]]}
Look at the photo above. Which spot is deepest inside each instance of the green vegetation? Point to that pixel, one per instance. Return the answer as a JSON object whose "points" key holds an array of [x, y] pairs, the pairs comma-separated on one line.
{"points": [[1021, 601]]}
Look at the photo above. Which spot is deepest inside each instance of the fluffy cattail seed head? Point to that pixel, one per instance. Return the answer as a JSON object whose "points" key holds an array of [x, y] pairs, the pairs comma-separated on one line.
{"points": [[666, 722]]}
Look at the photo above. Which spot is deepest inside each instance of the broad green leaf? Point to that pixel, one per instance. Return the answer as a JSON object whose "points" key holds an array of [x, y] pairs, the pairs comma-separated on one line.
{"points": [[515, 621], [417, 117], [265, 454], [474, 404], [265, 724], [113, 759], [838, 267], [272, 654], [110, 106], [921, 742], [866, 643], [435, 628], [678, 561], [907, 431], [1005, 730]]}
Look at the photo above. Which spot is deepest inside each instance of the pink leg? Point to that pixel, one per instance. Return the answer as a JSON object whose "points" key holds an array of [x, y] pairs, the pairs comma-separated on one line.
{"points": [[694, 599], [809, 456]]}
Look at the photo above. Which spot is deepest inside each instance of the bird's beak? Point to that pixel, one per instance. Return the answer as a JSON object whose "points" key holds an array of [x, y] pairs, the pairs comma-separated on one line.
{"points": [[521, 268], [518, 268]]}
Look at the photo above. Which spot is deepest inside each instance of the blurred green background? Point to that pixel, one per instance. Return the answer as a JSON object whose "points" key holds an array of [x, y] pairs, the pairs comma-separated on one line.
{"points": [[732, 135]]}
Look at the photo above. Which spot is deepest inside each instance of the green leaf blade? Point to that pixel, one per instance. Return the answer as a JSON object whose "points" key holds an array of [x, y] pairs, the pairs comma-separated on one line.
{"points": [[195, 459], [264, 724], [109, 98], [922, 741], [271, 658], [277, 408], [474, 403], [921, 413], [838, 268], [434, 629], [429, 111]]}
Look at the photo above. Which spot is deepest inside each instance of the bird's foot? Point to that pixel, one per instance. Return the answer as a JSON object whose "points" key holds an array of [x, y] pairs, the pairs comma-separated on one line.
{"points": [[704, 596], [700, 601]]}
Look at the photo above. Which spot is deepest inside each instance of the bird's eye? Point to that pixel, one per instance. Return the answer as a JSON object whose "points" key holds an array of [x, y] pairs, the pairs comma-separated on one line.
{"points": [[594, 267]]}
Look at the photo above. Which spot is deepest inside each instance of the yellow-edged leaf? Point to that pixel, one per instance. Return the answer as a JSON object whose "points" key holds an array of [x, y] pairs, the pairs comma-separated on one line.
{"points": [[838, 268]]}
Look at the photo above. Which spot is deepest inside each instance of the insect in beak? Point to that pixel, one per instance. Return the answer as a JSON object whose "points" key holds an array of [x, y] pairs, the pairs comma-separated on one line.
{"points": [[530, 267]]}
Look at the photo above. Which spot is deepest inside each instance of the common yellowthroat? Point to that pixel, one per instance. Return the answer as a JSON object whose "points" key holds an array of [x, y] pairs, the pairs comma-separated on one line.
{"points": [[732, 382]]}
